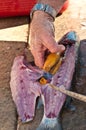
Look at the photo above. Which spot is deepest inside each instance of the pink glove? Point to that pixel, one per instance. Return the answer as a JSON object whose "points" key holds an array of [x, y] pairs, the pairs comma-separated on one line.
{"points": [[41, 37]]}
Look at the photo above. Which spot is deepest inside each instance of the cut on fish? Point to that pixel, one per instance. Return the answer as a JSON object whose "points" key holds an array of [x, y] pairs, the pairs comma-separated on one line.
{"points": [[25, 86]]}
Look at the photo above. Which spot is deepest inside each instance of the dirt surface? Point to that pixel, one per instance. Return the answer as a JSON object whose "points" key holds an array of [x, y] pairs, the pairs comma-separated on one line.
{"points": [[73, 19]]}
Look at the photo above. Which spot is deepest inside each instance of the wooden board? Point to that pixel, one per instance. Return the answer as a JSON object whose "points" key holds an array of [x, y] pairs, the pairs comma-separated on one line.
{"points": [[18, 33]]}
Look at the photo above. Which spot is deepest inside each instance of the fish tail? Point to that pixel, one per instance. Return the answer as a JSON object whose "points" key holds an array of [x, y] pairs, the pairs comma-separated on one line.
{"points": [[50, 124]]}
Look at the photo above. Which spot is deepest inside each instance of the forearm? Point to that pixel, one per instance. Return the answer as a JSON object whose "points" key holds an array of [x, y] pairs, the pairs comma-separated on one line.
{"points": [[56, 4]]}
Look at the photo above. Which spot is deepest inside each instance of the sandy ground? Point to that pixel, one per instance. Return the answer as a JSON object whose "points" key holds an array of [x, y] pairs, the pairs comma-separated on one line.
{"points": [[73, 19]]}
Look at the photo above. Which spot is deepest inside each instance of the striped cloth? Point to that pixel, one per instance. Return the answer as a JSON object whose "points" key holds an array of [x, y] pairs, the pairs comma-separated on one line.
{"points": [[19, 7], [15, 7]]}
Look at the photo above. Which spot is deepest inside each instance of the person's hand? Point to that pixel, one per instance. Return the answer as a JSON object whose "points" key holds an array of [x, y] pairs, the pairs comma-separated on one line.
{"points": [[41, 37]]}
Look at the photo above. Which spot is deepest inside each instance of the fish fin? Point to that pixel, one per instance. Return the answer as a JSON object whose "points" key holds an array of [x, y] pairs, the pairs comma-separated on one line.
{"points": [[50, 124]]}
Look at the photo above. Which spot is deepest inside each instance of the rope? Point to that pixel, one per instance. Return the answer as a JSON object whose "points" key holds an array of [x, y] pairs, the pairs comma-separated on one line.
{"points": [[69, 93]]}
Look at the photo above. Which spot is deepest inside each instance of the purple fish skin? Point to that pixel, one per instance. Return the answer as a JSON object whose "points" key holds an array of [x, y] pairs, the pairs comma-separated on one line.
{"points": [[55, 99], [24, 89]]}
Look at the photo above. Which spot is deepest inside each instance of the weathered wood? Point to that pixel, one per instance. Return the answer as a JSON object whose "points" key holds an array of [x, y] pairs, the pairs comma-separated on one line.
{"points": [[17, 33]]}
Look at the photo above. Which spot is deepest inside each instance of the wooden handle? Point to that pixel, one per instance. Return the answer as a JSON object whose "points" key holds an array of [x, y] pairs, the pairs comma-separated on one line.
{"points": [[69, 93]]}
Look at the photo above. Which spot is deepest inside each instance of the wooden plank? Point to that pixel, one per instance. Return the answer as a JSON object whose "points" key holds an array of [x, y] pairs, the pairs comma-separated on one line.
{"points": [[18, 33]]}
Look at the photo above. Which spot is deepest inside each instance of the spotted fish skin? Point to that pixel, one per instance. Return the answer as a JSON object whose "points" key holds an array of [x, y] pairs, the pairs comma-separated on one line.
{"points": [[25, 87]]}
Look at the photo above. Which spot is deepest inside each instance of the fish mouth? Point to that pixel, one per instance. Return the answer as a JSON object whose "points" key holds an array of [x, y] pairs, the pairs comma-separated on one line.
{"points": [[63, 77], [68, 41], [25, 79]]}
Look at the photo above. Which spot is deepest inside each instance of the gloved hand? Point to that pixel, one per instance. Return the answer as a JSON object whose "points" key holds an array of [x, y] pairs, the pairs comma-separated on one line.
{"points": [[41, 37]]}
